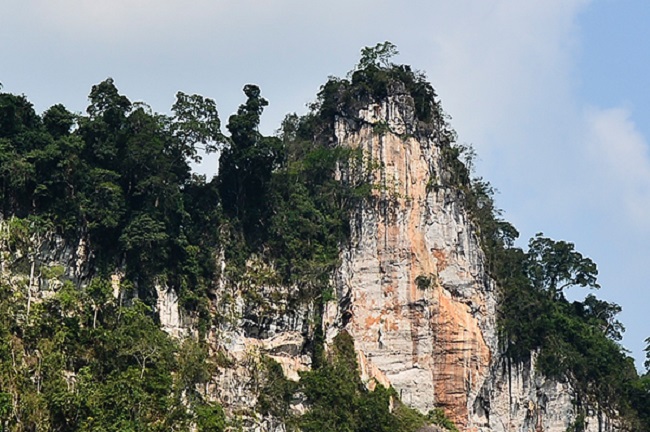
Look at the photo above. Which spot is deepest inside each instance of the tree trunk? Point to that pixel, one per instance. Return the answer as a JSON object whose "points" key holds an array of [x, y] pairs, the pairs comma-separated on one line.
{"points": [[29, 285]]}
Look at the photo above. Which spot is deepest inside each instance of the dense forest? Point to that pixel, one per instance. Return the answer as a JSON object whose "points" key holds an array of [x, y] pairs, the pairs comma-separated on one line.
{"points": [[119, 177]]}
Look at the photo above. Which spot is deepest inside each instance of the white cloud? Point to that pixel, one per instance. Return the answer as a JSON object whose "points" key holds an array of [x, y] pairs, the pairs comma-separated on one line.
{"points": [[501, 61], [620, 154]]}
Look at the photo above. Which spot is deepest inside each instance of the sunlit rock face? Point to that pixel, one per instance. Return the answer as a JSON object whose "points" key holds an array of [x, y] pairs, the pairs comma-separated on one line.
{"points": [[518, 398], [414, 293], [412, 289]]}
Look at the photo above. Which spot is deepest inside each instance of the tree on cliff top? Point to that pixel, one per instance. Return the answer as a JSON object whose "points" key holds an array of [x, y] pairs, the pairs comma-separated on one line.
{"points": [[556, 265], [377, 56]]}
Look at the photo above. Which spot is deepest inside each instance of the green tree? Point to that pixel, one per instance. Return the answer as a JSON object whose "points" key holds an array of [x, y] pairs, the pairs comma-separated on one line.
{"points": [[647, 355], [210, 418], [105, 101], [340, 402], [104, 131], [17, 115], [100, 295], [58, 120], [102, 204], [145, 243], [246, 165], [602, 315], [377, 56], [196, 121], [555, 265]]}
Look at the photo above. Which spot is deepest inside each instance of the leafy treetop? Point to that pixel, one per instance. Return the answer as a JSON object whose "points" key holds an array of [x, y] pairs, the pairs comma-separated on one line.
{"points": [[377, 56], [556, 265]]}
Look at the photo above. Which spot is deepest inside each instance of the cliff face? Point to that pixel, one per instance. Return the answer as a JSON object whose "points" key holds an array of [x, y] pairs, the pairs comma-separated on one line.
{"points": [[412, 291], [516, 397]]}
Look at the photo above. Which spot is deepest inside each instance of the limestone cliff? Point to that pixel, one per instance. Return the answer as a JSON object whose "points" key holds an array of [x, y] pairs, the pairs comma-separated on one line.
{"points": [[418, 302], [134, 294], [413, 292]]}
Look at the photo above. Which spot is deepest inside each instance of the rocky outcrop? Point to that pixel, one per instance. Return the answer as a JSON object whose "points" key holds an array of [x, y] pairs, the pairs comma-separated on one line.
{"points": [[257, 321], [516, 397], [412, 290], [34, 260], [172, 318]]}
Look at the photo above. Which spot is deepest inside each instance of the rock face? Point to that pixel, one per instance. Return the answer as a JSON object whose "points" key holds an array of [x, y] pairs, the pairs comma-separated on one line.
{"points": [[517, 398], [41, 250], [412, 288], [414, 293], [257, 321]]}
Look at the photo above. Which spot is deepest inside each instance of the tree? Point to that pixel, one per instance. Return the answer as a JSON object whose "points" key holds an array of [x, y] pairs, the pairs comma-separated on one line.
{"points": [[647, 355], [602, 314], [103, 203], [377, 56], [556, 265], [28, 236], [144, 240], [210, 418], [196, 121], [141, 339], [17, 115], [58, 121], [194, 366], [99, 293], [105, 101], [246, 165]]}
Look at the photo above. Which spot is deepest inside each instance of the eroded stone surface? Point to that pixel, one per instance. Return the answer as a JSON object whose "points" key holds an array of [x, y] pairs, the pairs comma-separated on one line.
{"points": [[428, 341], [518, 398]]}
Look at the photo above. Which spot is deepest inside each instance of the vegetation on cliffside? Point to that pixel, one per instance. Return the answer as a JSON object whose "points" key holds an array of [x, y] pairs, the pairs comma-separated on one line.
{"points": [[576, 341], [74, 356]]}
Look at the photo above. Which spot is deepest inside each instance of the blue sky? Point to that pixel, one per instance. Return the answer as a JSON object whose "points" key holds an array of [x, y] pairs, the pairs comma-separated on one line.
{"points": [[553, 94], [613, 72], [615, 57]]}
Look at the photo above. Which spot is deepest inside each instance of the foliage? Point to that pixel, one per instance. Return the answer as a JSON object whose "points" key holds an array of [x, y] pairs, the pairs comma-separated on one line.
{"points": [[276, 391], [121, 179], [246, 167], [79, 367], [374, 78], [555, 265], [210, 418], [282, 198], [576, 340], [196, 121], [438, 417], [424, 282], [340, 402], [377, 56]]}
